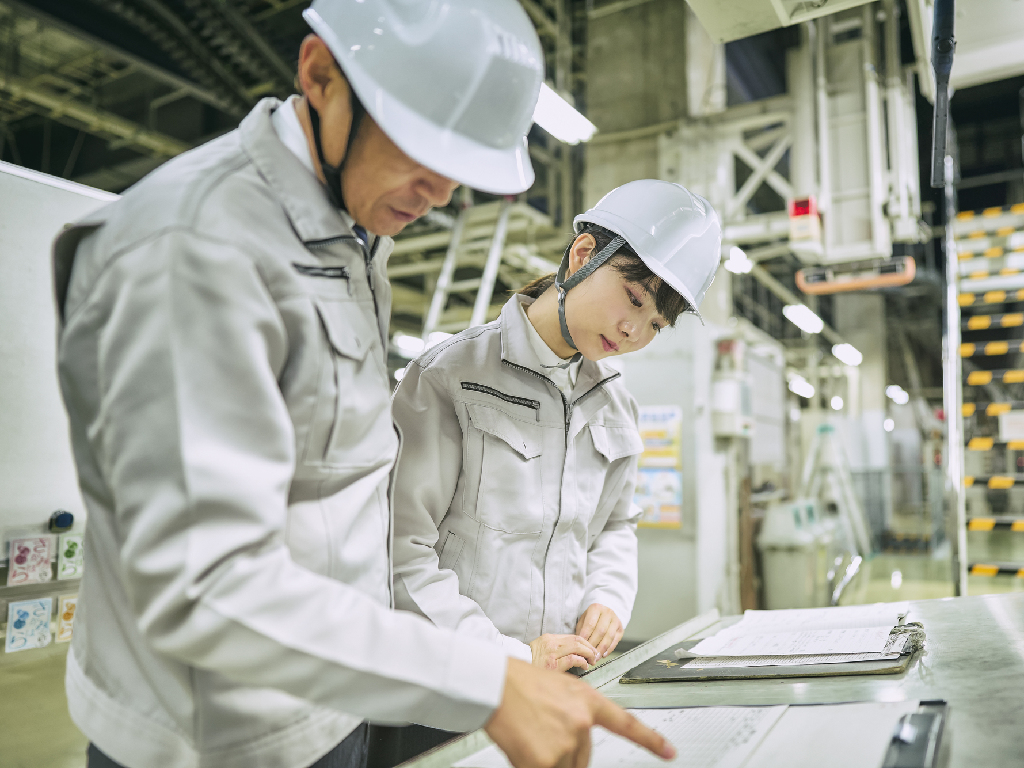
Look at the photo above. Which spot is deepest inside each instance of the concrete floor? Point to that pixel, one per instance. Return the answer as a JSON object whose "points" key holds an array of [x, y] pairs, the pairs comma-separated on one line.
{"points": [[36, 732]]}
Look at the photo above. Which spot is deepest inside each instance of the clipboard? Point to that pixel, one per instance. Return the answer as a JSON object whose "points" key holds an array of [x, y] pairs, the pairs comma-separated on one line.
{"points": [[666, 668]]}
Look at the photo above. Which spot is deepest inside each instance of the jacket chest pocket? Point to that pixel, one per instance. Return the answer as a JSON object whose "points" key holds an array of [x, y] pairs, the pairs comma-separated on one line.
{"points": [[509, 496], [352, 421], [608, 444]]}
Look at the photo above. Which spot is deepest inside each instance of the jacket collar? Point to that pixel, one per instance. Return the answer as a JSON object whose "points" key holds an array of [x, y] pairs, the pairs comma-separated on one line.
{"points": [[517, 350], [299, 192]]}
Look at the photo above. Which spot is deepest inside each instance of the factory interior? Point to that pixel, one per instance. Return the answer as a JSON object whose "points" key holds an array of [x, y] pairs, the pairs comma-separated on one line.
{"points": [[838, 428]]}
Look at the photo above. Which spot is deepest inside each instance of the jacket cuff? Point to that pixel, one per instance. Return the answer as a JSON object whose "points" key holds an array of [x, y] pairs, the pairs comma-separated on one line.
{"points": [[516, 649], [476, 677]]}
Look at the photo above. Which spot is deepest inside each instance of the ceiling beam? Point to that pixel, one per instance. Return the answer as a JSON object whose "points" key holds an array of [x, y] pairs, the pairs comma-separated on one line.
{"points": [[95, 121], [158, 73]]}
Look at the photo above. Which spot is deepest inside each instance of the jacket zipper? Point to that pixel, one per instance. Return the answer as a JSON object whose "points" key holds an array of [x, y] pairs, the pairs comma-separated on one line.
{"points": [[523, 401], [567, 413], [368, 254]]}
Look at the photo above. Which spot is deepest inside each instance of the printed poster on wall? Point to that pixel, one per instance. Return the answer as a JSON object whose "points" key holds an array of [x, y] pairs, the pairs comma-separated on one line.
{"points": [[29, 561], [659, 489], [66, 618], [70, 556], [28, 624]]}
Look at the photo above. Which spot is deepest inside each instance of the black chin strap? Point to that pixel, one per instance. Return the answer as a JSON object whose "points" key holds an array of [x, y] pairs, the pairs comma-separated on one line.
{"points": [[562, 286], [332, 173]]}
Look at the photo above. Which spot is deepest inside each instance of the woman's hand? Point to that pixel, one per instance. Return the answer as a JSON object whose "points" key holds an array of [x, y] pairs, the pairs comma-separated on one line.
{"points": [[600, 627], [562, 652]]}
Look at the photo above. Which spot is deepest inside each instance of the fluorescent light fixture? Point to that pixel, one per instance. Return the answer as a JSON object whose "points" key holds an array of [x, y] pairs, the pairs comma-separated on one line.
{"points": [[896, 580], [400, 373], [803, 318], [436, 338], [738, 263], [837, 403], [559, 118], [888, 425], [407, 346], [897, 394], [848, 354], [798, 385], [794, 414]]}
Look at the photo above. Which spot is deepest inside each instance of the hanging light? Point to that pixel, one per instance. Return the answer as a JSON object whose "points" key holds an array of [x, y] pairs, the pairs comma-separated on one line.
{"points": [[407, 346], [848, 354], [559, 118], [738, 262], [798, 385], [803, 318], [897, 394], [837, 403]]}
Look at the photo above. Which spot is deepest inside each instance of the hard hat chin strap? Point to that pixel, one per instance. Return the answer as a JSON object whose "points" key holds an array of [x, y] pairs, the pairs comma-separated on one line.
{"points": [[332, 173], [562, 286]]}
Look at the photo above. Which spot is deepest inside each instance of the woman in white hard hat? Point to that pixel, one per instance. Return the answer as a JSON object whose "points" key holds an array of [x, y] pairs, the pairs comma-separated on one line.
{"points": [[514, 514]]}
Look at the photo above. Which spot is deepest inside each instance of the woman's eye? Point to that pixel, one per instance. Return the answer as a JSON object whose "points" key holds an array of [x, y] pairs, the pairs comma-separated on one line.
{"points": [[656, 327], [632, 297]]}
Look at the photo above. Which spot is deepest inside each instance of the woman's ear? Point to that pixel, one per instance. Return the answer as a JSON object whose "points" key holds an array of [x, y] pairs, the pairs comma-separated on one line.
{"points": [[582, 249]]}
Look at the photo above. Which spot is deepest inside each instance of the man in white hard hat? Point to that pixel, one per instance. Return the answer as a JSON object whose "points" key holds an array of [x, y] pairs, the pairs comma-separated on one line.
{"points": [[222, 360]]}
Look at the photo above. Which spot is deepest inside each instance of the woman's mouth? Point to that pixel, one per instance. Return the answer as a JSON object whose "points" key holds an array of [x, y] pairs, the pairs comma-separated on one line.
{"points": [[609, 346]]}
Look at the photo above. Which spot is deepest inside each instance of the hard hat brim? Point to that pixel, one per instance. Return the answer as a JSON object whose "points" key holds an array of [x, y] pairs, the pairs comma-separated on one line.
{"points": [[622, 227], [498, 171]]}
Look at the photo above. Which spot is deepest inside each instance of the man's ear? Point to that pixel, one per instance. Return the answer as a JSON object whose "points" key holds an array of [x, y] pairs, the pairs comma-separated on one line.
{"points": [[316, 71], [582, 249]]}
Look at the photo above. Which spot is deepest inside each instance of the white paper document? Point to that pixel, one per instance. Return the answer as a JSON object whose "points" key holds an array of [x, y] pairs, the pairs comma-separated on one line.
{"points": [[796, 619], [808, 642], [704, 737], [721, 662]]}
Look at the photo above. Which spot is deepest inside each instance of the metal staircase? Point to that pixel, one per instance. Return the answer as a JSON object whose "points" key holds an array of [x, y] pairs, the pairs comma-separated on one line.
{"points": [[477, 253], [989, 316]]}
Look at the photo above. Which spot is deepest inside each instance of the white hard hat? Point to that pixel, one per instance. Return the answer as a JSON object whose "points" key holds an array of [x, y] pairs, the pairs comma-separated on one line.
{"points": [[453, 83], [676, 233]]}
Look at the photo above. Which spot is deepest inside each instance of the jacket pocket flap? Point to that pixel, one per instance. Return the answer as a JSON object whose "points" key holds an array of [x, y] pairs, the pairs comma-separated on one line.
{"points": [[346, 328], [524, 439], [616, 442]]}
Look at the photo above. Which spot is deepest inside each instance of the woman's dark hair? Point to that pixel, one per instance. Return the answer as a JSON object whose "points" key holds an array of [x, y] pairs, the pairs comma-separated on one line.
{"points": [[625, 261]]}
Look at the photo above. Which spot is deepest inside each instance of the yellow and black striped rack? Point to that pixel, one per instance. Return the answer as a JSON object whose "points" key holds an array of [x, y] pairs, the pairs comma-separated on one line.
{"points": [[1005, 376], [995, 482], [991, 409], [992, 251], [991, 348], [988, 443], [984, 322], [990, 297], [1005, 569], [996, 524]]}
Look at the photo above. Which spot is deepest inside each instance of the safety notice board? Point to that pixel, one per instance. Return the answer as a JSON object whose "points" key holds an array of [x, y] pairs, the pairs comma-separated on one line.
{"points": [[659, 485]]}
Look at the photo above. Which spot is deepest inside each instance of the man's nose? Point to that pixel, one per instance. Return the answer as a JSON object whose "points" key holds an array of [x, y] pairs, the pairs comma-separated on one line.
{"points": [[437, 189]]}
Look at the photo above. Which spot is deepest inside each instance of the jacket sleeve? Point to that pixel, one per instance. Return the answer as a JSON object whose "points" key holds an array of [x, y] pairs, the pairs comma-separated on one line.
{"points": [[426, 476], [612, 558], [196, 448]]}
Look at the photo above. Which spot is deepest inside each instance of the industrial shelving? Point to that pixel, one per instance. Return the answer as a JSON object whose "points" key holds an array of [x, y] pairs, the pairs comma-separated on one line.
{"points": [[990, 399]]}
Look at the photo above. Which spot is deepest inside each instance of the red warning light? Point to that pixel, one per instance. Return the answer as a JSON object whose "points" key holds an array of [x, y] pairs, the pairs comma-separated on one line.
{"points": [[803, 207]]}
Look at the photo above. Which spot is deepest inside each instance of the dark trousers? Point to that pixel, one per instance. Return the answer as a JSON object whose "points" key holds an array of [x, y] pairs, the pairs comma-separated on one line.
{"points": [[391, 745], [350, 753]]}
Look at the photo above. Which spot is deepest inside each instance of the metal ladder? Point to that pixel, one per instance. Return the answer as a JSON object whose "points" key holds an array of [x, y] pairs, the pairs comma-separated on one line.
{"points": [[988, 280], [468, 240]]}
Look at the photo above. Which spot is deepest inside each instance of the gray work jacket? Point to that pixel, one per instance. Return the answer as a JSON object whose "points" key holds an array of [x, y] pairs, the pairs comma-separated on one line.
{"points": [[221, 358], [513, 502]]}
